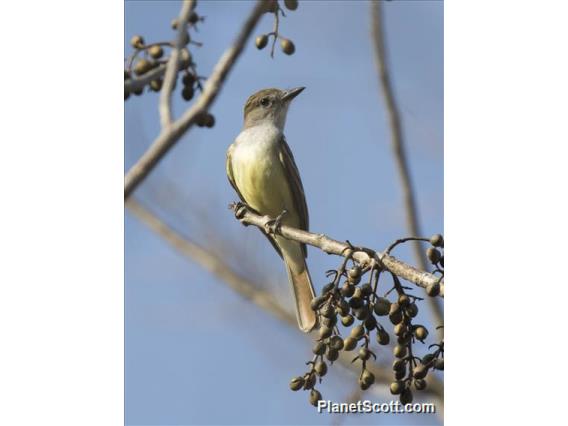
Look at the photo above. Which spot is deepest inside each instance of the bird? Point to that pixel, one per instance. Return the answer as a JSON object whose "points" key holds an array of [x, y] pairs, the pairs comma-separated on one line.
{"points": [[262, 170]]}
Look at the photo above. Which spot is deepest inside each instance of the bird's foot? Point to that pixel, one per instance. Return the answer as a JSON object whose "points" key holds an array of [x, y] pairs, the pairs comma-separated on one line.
{"points": [[273, 226], [239, 208]]}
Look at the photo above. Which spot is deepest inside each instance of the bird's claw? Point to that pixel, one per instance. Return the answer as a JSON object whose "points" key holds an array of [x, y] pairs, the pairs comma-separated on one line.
{"points": [[273, 226], [239, 208]]}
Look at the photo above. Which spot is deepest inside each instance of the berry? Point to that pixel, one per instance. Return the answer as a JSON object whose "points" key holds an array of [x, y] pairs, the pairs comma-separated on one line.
{"points": [[287, 46], [433, 255], [382, 306], [433, 289], [315, 396], [137, 42], [187, 93], [142, 67], [437, 240], [156, 51], [396, 387], [291, 4], [261, 41], [296, 383]]}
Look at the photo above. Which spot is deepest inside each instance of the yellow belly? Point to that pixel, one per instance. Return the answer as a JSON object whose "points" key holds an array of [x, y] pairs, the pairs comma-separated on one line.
{"points": [[262, 181]]}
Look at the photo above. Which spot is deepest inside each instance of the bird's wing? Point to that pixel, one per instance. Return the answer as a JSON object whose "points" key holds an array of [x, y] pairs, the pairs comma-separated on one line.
{"points": [[229, 167], [296, 187]]}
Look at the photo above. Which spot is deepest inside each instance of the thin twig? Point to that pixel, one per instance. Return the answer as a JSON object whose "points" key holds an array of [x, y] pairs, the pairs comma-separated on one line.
{"points": [[251, 291], [275, 30], [398, 145], [361, 254], [165, 105], [404, 240], [171, 134]]}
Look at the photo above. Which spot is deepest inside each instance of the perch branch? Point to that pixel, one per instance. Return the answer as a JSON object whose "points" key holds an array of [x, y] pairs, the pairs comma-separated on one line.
{"points": [[362, 255], [397, 140], [172, 133], [249, 290]]}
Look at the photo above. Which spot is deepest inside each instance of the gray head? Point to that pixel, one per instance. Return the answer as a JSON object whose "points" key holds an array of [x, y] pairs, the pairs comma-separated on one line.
{"points": [[269, 105]]}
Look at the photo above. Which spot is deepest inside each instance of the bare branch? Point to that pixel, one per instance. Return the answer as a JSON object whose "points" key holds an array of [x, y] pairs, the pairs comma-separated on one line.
{"points": [[212, 263], [413, 226], [364, 256], [250, 290], [171, 134], [165, 106]]}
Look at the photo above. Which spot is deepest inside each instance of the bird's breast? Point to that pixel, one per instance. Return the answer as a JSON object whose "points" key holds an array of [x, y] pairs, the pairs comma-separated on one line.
{"points": [[259, 174]]}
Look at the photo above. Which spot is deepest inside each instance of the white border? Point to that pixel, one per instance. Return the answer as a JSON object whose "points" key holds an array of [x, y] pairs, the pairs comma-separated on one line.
{"points": [[505, 191], [61, 228]]}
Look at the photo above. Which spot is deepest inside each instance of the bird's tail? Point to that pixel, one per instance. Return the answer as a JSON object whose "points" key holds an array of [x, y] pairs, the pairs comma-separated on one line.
{"points": [[303, 290]]}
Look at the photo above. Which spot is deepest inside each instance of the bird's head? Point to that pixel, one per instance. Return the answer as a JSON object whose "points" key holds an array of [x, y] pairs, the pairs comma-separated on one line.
{"points": [[269, 106]]}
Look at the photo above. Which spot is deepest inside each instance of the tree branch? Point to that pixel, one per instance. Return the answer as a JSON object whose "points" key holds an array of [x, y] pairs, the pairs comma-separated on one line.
{"points": [[363, 255], [212, 263], [411, 209], [250, 291], [165, 106], [172, 133]]}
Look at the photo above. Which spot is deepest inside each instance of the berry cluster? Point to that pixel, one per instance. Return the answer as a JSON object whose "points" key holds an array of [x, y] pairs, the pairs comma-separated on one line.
{"points": [[286, 45], [436, 256], [352, 298], [148, 57]]}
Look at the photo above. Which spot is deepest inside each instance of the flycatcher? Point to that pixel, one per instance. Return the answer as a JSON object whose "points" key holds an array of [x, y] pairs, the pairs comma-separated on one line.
{"points": [[262, 170]]}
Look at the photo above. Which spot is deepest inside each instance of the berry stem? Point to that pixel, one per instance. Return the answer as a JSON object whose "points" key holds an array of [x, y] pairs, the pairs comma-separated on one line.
{"points": [[404, 240], [275, 31]]}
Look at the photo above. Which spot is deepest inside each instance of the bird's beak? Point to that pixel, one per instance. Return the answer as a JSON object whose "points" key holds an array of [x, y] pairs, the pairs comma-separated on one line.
{"points": [[292, 93]]}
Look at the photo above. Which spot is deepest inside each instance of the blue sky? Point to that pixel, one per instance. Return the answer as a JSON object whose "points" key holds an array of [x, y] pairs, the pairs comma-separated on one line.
{"points": [[195, 352]]}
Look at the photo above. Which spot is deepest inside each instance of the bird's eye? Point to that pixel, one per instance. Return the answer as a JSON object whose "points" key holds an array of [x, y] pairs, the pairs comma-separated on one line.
{"points": [[265, 102]]}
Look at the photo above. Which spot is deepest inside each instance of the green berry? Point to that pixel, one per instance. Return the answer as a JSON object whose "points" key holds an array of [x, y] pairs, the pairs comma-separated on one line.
{"points": [[406, 396], [287, 46], [320, 368], [383, 337], [368, 377], [137, 42], [296, 383], [437, 240], [291, 4], [420, 371], [382, 306], [396, 387], [433, 289], [156, 51], [142, 67], [315, 396], [420, 332], [349, 344], [261, 41], [433, 255], [187, 93]]}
